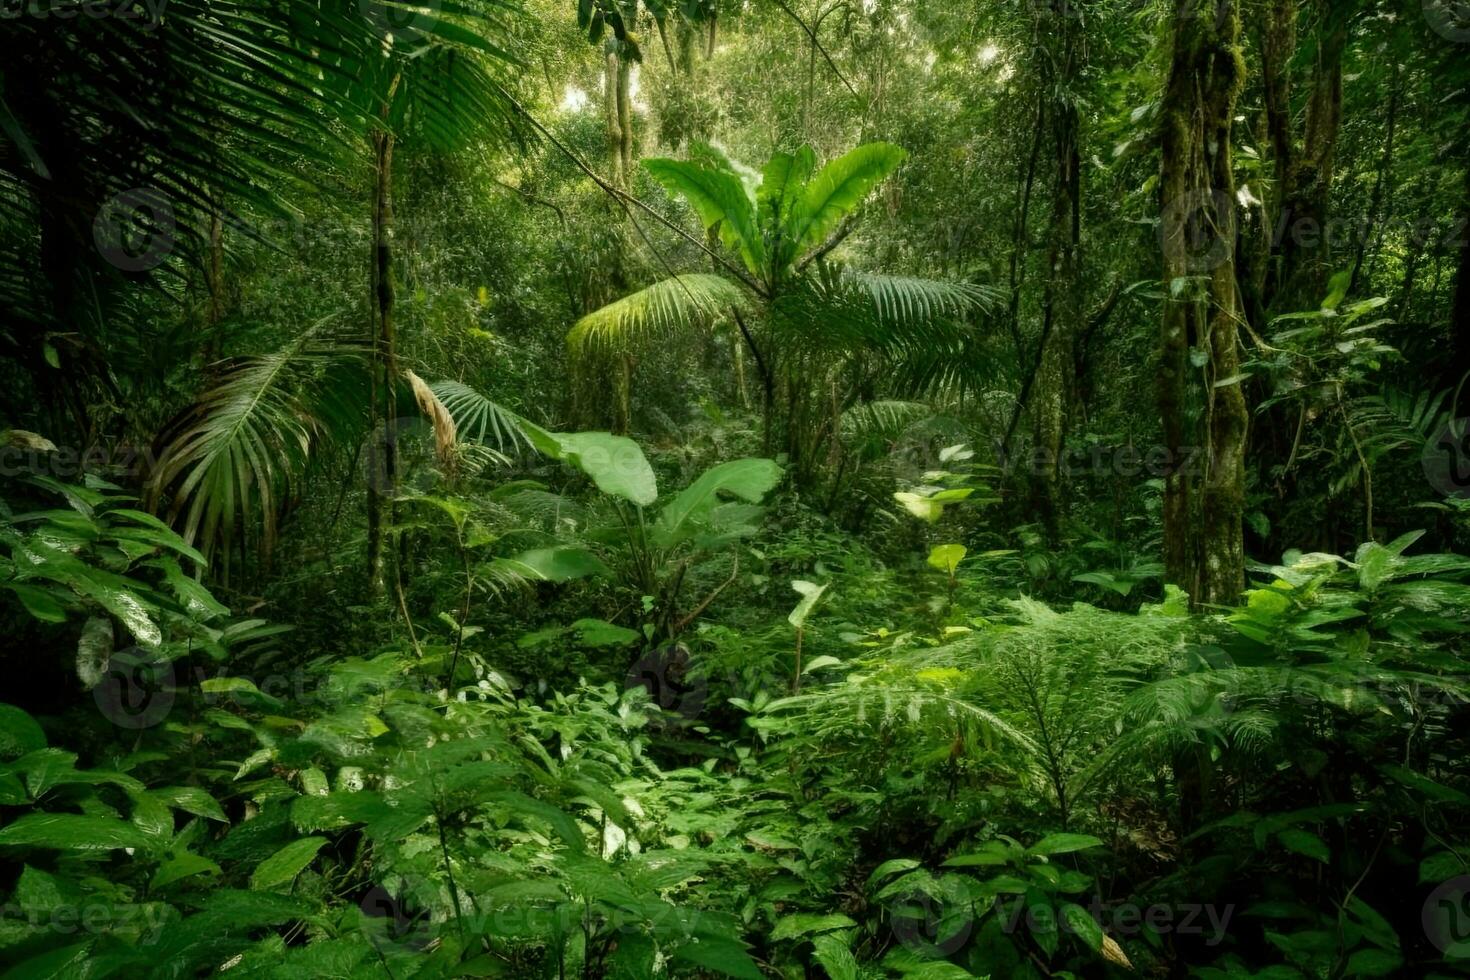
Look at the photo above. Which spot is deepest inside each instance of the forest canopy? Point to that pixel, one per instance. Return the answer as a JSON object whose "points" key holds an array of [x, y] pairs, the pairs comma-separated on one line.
{"points": [[678, 489]]}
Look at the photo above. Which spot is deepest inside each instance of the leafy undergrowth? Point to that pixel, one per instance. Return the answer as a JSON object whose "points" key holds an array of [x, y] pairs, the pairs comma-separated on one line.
{"points": [[893, 769]]}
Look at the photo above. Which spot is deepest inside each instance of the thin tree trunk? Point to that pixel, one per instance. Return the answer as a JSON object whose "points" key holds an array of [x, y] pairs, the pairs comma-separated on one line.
{"points": [[1302, 225], [1460, 310], [611, 120], [625, 118], [1380, 182], [1062, 300], [385, 368]]}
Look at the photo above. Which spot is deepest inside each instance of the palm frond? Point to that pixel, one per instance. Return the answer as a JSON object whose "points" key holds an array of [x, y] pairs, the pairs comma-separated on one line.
{"points": [[233, 459], [882, 422], [479, 419], [901, 299], [673, 305]]}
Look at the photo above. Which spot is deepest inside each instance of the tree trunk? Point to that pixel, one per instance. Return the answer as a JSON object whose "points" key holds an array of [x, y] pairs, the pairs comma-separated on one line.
{"points": [[383, 464], [611, 119], [1062, 303], [1460, 310], [625, 119], [1302, 227], [1203, 543]]}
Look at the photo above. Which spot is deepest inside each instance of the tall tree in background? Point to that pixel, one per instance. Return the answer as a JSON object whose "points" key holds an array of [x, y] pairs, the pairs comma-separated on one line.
{"points": [[1200, 398], [1061, 63]]}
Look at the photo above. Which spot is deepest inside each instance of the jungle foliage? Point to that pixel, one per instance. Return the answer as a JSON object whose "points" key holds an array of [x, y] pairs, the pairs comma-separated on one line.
{"points": [[642, 489]]}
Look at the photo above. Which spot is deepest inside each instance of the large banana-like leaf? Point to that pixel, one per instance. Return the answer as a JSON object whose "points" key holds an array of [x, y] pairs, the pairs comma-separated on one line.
{"points": [[837, 190], [234, 458], [615, 463], [665, 307], [748, 479], [782, 184], [721, 201]]}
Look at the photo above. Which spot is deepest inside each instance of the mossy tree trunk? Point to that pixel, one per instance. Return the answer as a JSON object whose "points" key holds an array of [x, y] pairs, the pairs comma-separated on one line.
{"points": [[1200, 399], [1062, 299]]}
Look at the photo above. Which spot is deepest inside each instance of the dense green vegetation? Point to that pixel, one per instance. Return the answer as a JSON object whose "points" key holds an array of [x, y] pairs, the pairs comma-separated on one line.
{"points": [[734, 488]]}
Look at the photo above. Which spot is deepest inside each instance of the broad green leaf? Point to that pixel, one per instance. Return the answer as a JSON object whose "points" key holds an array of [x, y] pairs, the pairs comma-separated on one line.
{"points": [[191, 799], [19, 733], [748, 479], [724, 956], [1081, 923], [282, 867], [1063, 844], [838, 189], [180, 865], [832, 952], [721, 201], [601, 633], [1306, 843], [804, 924], [782, 183], [72, 832], [560, 564], [39, 602], [615, 463], [947, 557]]}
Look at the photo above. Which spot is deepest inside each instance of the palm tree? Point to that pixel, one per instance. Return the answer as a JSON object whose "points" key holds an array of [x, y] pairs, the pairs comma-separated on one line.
{"points": [[218, 110], [823, 337]]}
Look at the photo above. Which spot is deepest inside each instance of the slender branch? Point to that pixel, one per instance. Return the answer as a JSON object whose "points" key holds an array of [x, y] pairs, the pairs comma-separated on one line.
{"points": [[848, 227], [818, 45], [683, 624], [625, 199]]}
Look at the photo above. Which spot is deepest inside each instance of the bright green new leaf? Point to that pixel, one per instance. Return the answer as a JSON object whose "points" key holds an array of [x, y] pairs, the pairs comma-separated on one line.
{"points": [[811, 594], [947, 557]]}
